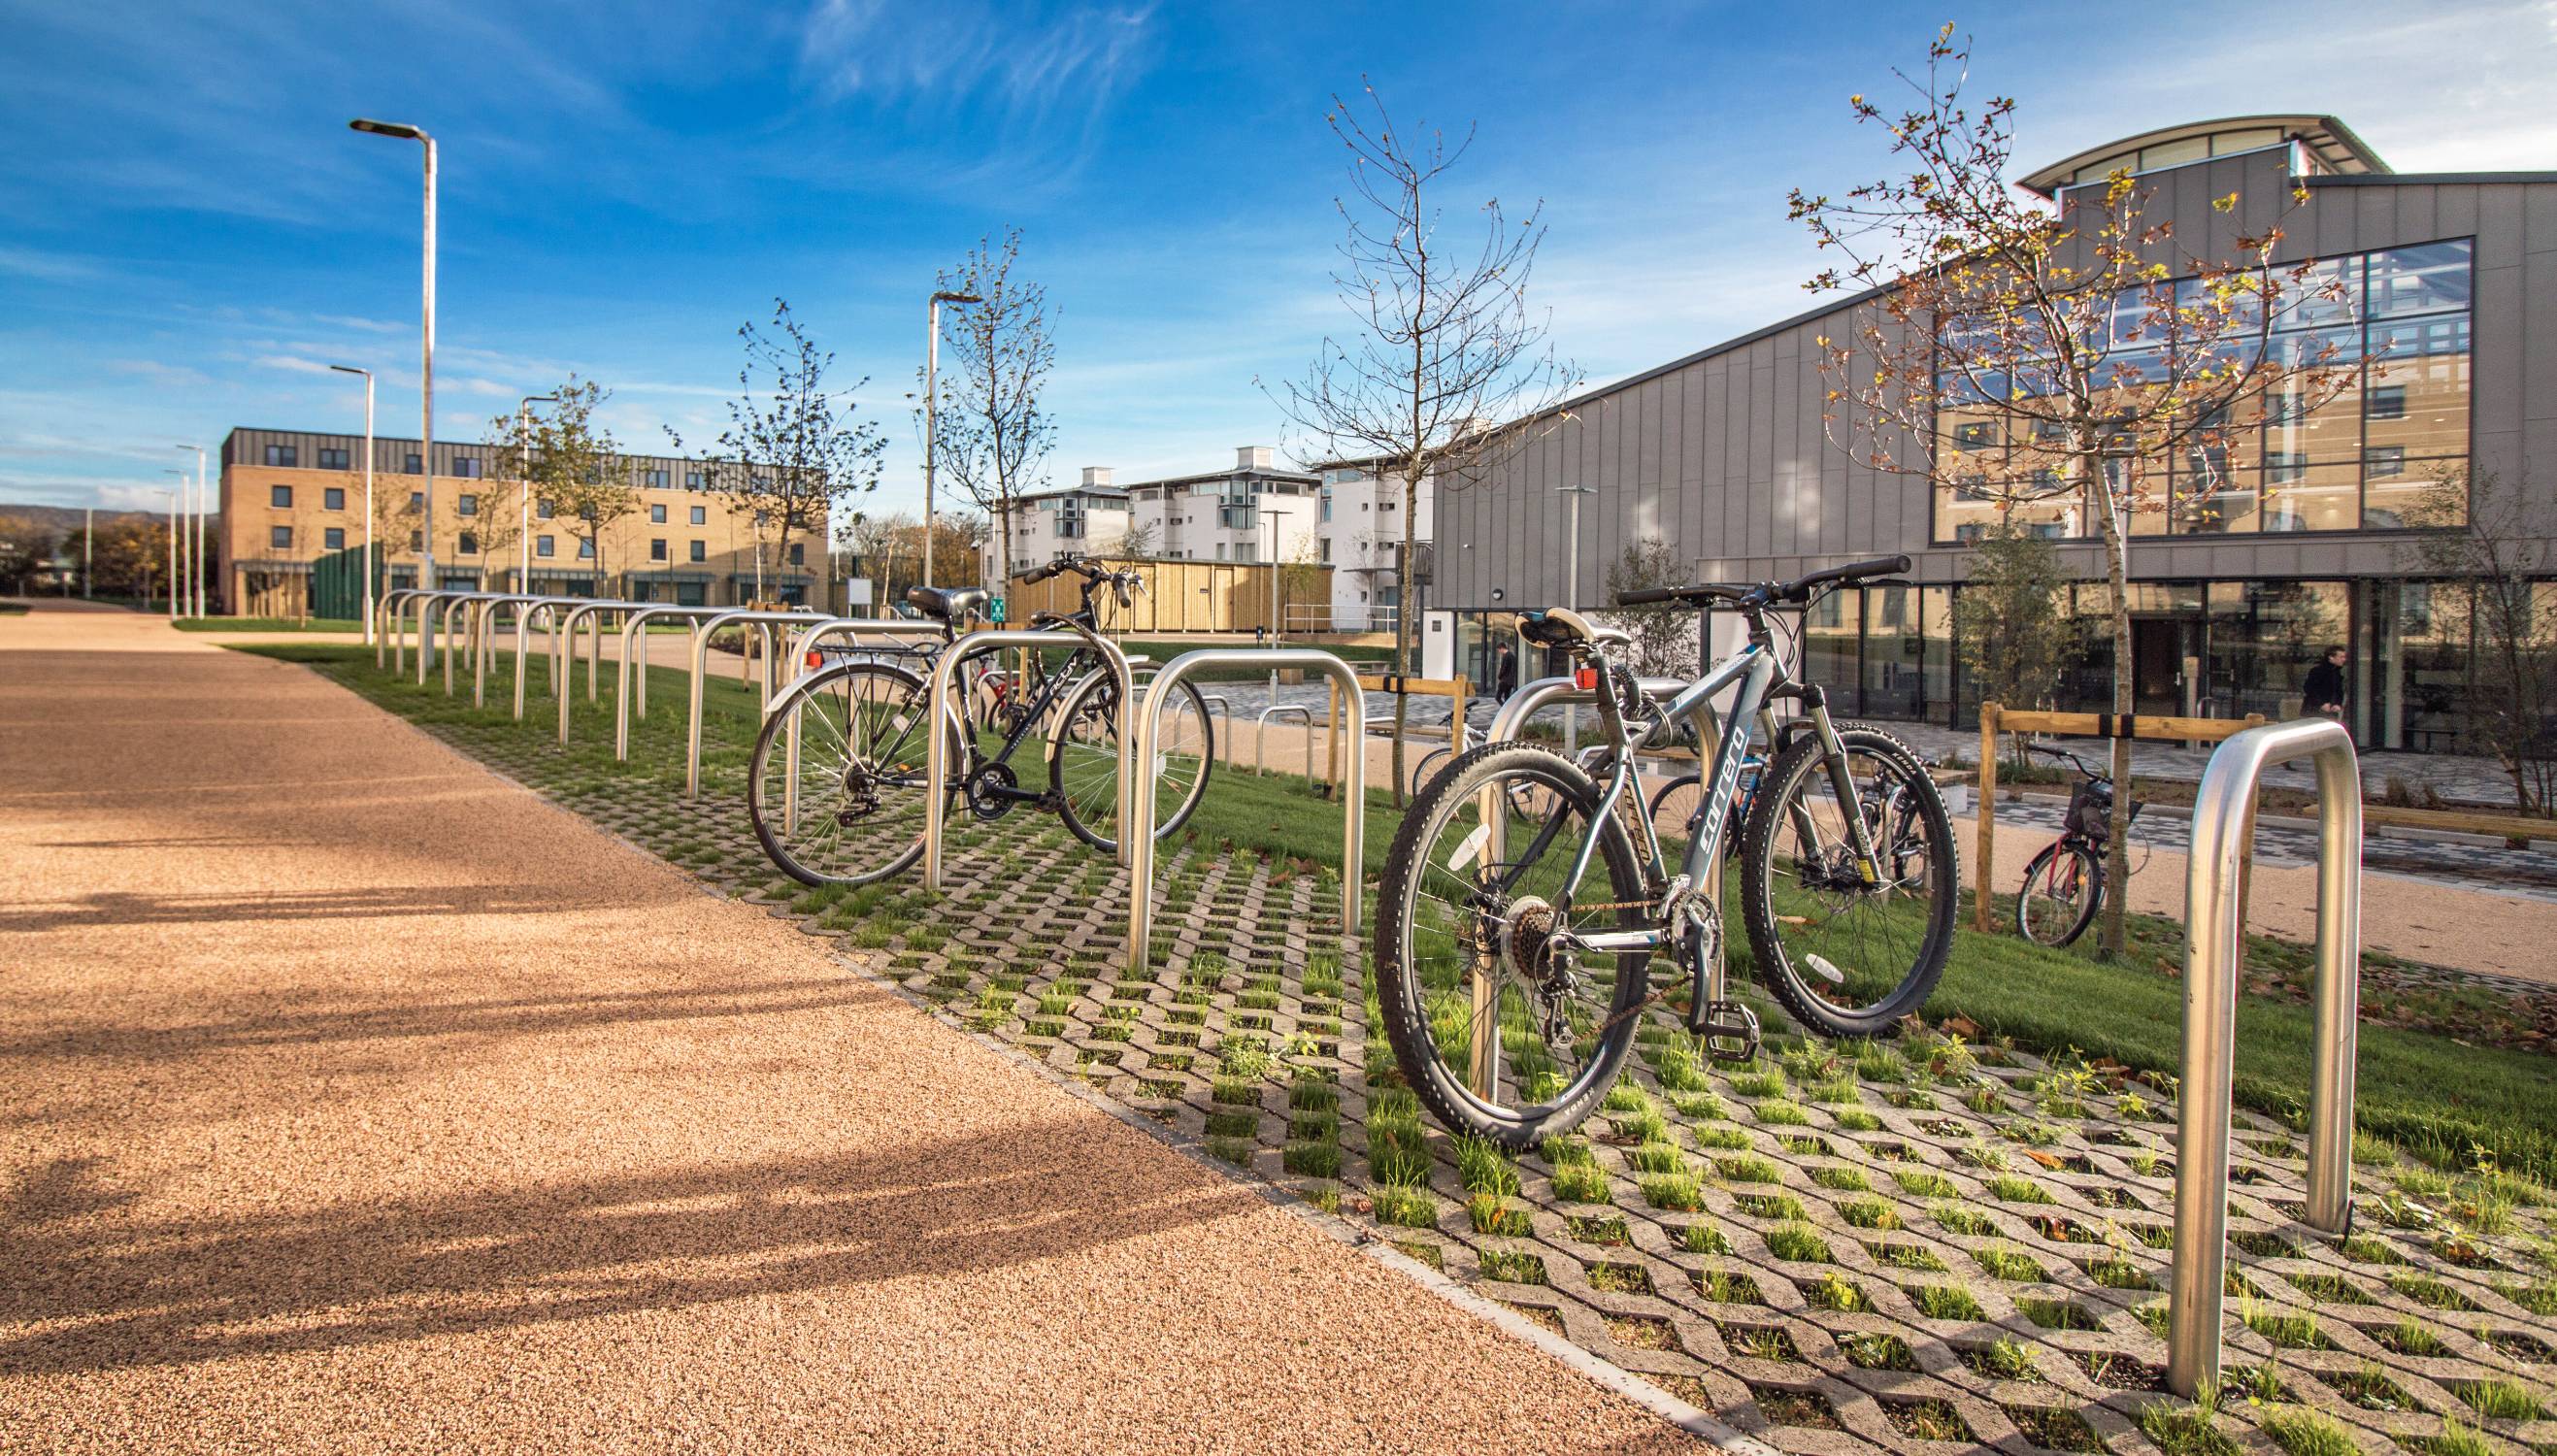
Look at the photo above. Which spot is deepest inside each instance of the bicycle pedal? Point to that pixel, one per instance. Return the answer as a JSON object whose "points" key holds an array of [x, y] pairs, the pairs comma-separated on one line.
{"points": [[1729, 1031]]}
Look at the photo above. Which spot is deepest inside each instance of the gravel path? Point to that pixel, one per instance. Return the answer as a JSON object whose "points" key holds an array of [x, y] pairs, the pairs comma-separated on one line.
{"points": [[361, 1100]]}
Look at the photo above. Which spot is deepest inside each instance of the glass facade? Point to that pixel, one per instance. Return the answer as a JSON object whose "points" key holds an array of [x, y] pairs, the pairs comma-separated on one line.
{"points": [[2376, 347]]}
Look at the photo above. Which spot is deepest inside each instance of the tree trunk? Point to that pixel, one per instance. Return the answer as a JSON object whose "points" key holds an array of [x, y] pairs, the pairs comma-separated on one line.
{"points": [[2117, 838], [1404, 641]]}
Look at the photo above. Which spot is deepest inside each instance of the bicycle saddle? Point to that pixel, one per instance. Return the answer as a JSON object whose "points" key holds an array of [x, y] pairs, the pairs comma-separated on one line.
{"points": [[1560, 627], [945, 604]]}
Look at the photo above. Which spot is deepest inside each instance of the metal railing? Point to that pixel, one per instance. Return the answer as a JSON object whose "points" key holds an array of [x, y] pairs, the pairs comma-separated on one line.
{"points": [[1261, 736], [947, 727], [564, 652], [855, 628], [1136, 804], [623, 687], [762, 621], [2224, 821]]}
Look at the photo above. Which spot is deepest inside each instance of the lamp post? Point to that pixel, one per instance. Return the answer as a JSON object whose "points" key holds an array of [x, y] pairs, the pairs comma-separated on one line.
{"points": [[931, 416], [1571, 593], [524, 516], [88, 548], [369, 564], [177, 519], [425, 385], [203, 503], [1278, 625]]}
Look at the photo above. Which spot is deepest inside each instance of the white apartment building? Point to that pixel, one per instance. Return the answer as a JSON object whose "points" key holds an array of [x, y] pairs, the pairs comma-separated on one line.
{"points": [[1072, 521], [1359, 531], [1253, 513]]}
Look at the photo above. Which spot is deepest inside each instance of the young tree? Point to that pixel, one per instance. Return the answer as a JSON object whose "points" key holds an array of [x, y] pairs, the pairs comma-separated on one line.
{"points": [[572, 464], [2012, 632], [993, 432], [2072, 362], [132, 556], [1445, 373], [794, 447], [2493, 568], [1664, 636], [24, 545], [1139, 540]]}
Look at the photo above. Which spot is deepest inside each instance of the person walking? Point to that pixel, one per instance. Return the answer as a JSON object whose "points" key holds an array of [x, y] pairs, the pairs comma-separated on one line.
{"points": [[1504, 673], [2322, 690]]}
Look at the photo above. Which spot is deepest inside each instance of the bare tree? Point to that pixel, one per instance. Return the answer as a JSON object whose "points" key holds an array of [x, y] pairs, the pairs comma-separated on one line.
{"points": [[571, 466], [995, 433], [2493, 568], [2067, 361], [794, 446], [1139, 540], [1446, 372], [2012, 631]]}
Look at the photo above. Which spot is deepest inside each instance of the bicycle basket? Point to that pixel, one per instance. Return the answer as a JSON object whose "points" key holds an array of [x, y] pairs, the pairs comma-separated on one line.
{"points": [[2088, 808]]}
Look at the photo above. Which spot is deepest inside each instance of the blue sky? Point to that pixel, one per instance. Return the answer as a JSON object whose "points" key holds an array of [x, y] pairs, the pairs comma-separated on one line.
{"points": [[188, 233]]}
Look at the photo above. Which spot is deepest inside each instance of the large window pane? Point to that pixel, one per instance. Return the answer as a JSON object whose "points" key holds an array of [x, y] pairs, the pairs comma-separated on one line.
{"points": [[1935, 670], [1830, 630], [2265, 636], [2428, 278], [2312, 497], [1892, 653]]}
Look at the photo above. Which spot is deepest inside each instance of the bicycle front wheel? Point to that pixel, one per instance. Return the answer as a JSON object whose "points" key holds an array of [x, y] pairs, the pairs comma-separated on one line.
{"points": [[2062, 888], [837, 782], [1083, 763], [1499, 1031], [1848, 956]]}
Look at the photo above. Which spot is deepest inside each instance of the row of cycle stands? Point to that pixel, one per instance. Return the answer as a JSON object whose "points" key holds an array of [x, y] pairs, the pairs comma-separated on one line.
{"points": [[2222, 826]]}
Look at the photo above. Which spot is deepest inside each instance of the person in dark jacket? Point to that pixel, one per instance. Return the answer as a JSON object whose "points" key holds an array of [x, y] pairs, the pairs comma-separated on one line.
{"points": [[1504, 673], [2322, 691]]}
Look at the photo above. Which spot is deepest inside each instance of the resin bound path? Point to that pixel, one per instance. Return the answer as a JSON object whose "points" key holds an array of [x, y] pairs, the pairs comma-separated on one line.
{"points": [[359, 1099]]}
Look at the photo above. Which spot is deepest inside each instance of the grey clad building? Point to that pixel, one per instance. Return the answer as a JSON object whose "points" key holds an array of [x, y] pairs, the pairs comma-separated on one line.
{"points": [[2447, 320]]}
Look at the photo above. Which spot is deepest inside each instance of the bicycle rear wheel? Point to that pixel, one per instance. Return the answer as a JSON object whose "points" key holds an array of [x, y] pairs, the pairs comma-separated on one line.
{"points": [[1846, 957], [835, 785], [1465, 957], [2063, 889]]}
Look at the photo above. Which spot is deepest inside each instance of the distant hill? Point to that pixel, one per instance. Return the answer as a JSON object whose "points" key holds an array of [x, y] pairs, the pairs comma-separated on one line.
{"points": [[60, 519]]}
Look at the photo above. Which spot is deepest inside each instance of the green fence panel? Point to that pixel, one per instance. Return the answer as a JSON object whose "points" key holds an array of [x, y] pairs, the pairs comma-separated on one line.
{"points": [[337, 582]]}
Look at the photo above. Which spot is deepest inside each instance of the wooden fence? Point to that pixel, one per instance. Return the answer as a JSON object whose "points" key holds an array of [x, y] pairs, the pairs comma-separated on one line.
{"points": [[1184, 596]]}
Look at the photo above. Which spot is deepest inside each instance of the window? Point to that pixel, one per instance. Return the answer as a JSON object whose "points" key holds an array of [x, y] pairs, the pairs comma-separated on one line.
{"points": [[2282, 466], [1975, 435], [334, 538], [279, 537], [1220, 551], [469, 545], [468, 505], [333, 497], [544, 509], [280, 496], [654, 479], [700, 515], [333, 458], [546, 546], [2381, 462], [417, 501], [286, 455], [411, 465], [798, 553], [585, 548], [417, 540], [699, 552], [694, 480], [1328, 556], [657, 549], [1326, 511], [465, 466], [2388, 402], [656, 515]]}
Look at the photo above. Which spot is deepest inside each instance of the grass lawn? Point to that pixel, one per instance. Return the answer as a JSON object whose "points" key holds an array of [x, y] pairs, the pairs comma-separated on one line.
{"points": [[268, 624], [2442, 1099], [1166, 650]]}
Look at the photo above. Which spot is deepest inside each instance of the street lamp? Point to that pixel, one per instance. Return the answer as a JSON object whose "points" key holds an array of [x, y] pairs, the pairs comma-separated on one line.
{"points": [[1571, 599], [369, 563], [525, 517], [426, 386], [931, 418], [203, 499], [177, 508], [1278, 625]]}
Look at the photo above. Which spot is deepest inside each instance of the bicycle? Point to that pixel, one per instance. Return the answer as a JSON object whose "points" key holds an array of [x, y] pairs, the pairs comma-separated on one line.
{"points": [[858, 815], [1511, 1002], [2064, 886]]}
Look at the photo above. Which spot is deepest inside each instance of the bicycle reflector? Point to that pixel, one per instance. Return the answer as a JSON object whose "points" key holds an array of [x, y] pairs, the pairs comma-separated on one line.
{"points": [[814, 661], [1585, 678]]}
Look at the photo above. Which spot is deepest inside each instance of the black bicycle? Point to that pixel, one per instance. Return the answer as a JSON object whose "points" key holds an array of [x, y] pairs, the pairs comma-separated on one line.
{"points": [[837, 782], [1512, 986], [2064, 886]]}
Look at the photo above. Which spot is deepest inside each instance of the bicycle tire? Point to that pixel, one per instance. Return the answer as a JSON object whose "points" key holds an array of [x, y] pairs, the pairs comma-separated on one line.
{"points": [[1793, 776], [2090, 872], [1421, 772], [836, 789], [1089, 821], [1402, 994]]}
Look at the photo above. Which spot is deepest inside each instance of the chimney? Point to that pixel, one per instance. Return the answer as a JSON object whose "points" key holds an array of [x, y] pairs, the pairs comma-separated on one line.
{"points": [[1096, 476], [1254, 458]]}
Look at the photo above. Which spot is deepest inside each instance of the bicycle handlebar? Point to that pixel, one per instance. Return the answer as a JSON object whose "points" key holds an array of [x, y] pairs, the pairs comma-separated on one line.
{"points": [[1765, 592]]}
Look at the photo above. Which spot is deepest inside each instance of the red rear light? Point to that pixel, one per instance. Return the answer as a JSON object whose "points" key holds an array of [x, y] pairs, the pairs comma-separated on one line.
{"points": [[1585, 678], [815, 661]]}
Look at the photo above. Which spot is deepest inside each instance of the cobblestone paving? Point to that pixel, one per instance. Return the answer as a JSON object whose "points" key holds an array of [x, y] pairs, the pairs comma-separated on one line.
{"points": [[1909, 1247]]}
